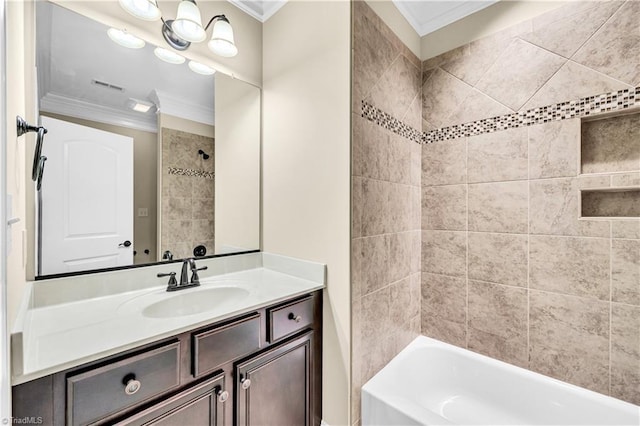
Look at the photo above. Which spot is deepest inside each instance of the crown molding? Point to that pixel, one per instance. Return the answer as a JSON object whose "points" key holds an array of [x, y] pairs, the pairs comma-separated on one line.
{"points": [[168, 104], [261, 10], [64, 105], [455, 13]]}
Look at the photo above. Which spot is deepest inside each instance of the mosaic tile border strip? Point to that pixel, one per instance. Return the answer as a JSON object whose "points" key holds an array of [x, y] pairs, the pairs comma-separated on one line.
{"points": [[613, 101], [387, 121], [191, 172]]}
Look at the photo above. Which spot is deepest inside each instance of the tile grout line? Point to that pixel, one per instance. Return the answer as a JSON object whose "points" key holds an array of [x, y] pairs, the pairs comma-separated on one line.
{"points": [[610, 300], [581, 176], [528, 248], [522, 234], [466, 234]]}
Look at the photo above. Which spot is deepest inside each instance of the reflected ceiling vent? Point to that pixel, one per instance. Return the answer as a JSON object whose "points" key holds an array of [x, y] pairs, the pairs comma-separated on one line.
{"points": [[107, 85]]}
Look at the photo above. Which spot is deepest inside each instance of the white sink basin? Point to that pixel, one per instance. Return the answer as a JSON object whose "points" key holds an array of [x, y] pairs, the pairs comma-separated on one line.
{"points": [[194, 302]]}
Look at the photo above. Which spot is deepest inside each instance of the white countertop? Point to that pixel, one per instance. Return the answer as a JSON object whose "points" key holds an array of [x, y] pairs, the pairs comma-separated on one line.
{"points": [[60, 336]]}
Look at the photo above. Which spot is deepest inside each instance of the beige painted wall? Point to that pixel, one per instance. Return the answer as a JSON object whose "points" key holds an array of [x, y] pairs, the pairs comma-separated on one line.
{"points": [[144, 182], [306, 155], [237, 159], [391, 16], [184, 125], [494, 18], [20, 101], [247, 65]]}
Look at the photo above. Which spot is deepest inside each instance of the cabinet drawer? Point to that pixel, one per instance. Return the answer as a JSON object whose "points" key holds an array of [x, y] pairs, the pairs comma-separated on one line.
{"points": [[201, 404], [101, 392], [215, 347], [290, 318]]}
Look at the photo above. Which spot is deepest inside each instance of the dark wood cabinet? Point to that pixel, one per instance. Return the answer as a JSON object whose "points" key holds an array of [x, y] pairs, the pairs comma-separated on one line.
{"points": [[260, 368], [105, 391], [274, 388], [202, 404]]}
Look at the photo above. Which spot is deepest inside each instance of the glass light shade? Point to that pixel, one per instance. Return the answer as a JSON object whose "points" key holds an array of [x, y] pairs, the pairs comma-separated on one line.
{"points": [[222, 42], [199, 68], [188, 23], [143, 9], [168, 56], [125, 39]]}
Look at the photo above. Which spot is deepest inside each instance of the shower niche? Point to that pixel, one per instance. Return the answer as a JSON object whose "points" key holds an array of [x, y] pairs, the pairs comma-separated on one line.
{"points": [[610, 147]]}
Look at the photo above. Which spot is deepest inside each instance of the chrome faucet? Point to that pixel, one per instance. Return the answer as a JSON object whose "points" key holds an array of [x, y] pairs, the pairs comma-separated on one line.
{"points": [[185, 282]]}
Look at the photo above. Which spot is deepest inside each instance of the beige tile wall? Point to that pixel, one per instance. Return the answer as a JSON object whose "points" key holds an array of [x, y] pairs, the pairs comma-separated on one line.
{"points": [[579, 50], [511, 271], [187, 201], [503, 265], [508, 268], [386, 196]]}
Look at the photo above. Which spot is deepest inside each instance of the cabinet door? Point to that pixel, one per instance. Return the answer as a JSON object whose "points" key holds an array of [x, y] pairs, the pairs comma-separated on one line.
{"points": [[274, 388], [202, 404]]}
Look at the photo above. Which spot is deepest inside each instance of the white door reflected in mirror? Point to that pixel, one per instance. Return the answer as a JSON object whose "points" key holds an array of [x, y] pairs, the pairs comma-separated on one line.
{"points": [[86, 199]]}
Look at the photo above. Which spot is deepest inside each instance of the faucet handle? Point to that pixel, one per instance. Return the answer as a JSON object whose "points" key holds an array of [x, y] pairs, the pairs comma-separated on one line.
{"points": [[172, 278], [194, 273]]}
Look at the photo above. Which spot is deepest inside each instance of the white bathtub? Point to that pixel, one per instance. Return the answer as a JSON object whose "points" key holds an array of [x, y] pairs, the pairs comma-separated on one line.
{"points": [[433, 383]]}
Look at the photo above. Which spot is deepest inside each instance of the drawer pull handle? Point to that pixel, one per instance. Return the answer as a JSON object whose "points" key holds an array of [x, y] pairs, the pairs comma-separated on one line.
{"points": [[131, 385], [222, 396], [294, 317], [245, 383]]}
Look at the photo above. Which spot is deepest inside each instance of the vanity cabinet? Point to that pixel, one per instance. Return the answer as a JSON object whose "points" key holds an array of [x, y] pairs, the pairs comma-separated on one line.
{"points": [[104, 391], [274, 388], [201, 404], [262, 367]]}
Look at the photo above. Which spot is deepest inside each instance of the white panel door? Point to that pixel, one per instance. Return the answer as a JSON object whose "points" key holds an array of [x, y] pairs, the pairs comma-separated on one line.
{"points": [[87, 199]]}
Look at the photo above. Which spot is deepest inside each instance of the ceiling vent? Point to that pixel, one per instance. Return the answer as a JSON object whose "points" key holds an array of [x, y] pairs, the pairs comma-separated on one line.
{"points": [[107, 85]]}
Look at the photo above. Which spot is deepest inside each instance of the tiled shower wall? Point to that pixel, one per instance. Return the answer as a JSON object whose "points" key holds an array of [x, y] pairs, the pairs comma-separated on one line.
{"points": [[385, 201], [508, 267], [187, 193]]}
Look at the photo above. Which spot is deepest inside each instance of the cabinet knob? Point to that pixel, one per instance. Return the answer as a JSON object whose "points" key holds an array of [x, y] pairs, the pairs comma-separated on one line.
{"points": [[245, 383], [294, 317], [222, 396], [131, 385]]}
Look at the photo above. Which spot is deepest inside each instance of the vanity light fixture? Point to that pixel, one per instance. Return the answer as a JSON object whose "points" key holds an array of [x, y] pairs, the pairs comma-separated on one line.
{"points": [[140, 106], [187, 28], [199, 68], [125, 39], [168, 56]]}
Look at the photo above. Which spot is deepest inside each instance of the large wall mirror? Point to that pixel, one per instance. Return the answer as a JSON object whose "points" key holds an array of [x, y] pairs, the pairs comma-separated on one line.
{"points": [[147, 161]]}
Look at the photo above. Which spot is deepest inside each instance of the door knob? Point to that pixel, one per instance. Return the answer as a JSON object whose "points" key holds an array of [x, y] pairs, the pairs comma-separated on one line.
{"points": [[127, 243], [245, 383]]}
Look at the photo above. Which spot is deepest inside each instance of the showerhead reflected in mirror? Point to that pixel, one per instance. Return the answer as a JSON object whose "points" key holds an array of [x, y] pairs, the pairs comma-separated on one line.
{"points": [[139, 149]]}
